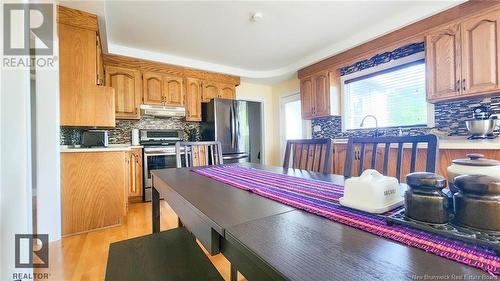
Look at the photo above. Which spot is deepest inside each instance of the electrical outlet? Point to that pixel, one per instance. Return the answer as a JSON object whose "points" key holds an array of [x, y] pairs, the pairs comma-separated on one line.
{"points": [[317, 128]]}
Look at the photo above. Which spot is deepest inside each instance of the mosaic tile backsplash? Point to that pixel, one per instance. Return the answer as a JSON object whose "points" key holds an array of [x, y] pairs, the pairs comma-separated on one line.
{"points": [[449, 117], [122, 133], [383, 58]]}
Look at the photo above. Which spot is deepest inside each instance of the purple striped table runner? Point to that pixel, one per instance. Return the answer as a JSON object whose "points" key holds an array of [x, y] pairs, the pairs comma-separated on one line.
{"points": [[321, 198]]}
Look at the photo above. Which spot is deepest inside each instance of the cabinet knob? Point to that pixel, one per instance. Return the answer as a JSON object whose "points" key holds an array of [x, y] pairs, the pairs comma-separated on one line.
{"points": [[457, 87], [463, 84]]}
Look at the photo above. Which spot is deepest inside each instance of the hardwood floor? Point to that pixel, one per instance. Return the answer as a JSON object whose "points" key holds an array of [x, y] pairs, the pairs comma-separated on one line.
{"points": [[84, 256]]}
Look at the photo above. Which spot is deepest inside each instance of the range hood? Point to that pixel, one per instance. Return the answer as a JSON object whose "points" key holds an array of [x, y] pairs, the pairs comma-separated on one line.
{"points": [[163, 111]]}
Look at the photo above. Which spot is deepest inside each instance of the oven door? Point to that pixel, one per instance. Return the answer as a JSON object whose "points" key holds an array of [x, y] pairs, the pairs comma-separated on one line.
{"points": [[155, 161]]}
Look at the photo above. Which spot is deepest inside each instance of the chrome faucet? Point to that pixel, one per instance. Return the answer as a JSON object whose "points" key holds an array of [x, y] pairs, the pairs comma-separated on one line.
{"points": [[376, 123]]}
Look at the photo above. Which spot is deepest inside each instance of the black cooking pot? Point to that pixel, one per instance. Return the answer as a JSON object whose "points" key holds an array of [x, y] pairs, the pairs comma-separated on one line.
{"points": [[477, 203], [425, 200]]}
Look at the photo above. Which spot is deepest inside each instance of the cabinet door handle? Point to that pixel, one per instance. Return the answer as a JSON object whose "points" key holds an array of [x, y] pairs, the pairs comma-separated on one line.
{"points": [[457, 87], [463, 84]]}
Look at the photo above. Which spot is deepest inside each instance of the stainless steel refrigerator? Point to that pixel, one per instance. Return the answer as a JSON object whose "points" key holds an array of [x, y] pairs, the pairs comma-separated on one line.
{"points": [[237, 125]]}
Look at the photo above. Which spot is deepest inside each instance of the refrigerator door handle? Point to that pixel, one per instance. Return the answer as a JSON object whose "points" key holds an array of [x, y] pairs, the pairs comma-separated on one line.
{"points": [[237, 156], [233, 125], [237, 118]]}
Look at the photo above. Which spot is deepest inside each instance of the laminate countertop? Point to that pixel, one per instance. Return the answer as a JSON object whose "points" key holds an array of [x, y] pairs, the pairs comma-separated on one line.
{"points": [[111, 147], [451, 143]]}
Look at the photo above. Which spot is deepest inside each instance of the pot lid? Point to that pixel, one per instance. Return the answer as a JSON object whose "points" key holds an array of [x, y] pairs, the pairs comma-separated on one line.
{"points": [[476, 160], [425, 180], [477, 184]]}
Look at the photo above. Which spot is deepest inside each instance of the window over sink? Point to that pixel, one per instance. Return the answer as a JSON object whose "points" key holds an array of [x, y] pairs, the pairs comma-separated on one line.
{"points": [[394, 92]]}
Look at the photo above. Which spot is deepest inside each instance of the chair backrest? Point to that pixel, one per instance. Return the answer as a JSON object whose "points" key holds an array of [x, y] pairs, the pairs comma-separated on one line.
{"points": [[194, 154], [309, 154], [406, 149]]}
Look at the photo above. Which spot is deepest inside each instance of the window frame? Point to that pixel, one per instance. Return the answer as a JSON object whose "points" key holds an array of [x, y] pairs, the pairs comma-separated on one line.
{"points": [[382, 68]]}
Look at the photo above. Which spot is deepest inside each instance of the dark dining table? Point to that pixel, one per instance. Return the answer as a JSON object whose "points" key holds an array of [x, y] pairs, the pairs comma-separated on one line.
{"points": [[267, 240]]}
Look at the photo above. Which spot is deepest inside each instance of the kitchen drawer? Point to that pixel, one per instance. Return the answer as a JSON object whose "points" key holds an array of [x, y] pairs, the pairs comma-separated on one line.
{"points": [[203, 231]]}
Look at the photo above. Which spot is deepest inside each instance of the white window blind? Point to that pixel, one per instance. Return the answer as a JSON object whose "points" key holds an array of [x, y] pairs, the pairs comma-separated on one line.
{"points": [[395, 95]]}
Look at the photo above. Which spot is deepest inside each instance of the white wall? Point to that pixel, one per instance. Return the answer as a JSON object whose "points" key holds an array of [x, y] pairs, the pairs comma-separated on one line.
{"points": [[47, 152], [15, 190], [15, 158]]}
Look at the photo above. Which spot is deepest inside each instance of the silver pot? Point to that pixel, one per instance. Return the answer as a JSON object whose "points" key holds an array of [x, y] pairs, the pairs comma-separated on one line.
{"points": [[481, 128]]}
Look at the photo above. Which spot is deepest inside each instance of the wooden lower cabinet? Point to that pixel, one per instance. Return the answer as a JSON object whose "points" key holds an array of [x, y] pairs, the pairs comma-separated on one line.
{"points": [[93, 190], [339, 155], [135, 178], [446, 156]]}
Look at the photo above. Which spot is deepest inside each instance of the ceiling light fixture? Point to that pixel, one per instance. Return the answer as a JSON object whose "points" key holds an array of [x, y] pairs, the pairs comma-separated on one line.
{"points": [[257, 16]]}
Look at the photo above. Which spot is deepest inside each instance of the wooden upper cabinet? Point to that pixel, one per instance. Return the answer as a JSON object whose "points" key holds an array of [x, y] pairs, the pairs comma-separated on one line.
{"points": [[100, 64], [227, 91], [315, 95], [173, 90], [463, 60], [443, 63], [193, 99], [481, 54], [82, 102], [307, 97], [76, 48], [152, 88], [210, 91], [127, 85], [321, 91]]}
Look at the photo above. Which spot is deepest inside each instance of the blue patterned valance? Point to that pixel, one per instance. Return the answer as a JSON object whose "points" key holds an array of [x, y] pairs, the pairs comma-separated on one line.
{"points": [[383, 58]]}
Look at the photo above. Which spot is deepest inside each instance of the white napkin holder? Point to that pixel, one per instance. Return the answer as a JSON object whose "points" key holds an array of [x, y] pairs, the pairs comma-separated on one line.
{"points": [[372, 192]]}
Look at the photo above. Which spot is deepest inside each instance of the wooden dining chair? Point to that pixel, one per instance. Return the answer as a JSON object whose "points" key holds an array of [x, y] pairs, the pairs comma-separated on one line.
{"points": [[309, 154], [397, 153], [194, 154]]}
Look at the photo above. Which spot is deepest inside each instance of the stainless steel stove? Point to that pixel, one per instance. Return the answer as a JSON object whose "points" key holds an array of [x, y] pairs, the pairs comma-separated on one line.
{"points": [[158, 153]]}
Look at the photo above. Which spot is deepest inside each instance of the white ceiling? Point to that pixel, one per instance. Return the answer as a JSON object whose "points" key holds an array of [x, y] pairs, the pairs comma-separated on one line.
{"points": [[220, 36]]}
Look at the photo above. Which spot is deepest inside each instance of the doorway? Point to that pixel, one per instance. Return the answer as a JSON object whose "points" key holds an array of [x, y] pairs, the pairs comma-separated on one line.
{"points": [[292, 126]]}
